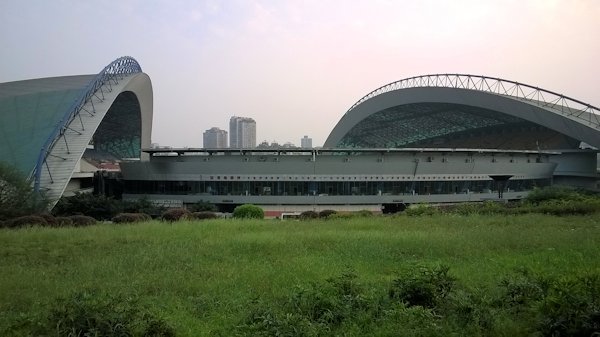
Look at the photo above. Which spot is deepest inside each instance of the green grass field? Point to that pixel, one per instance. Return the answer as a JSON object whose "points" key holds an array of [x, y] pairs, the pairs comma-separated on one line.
{"points": [[204, 278]]}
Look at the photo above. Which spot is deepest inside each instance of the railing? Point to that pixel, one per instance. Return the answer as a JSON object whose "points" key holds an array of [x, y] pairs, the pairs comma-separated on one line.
{"points": [[567, 106], [108, 76]]}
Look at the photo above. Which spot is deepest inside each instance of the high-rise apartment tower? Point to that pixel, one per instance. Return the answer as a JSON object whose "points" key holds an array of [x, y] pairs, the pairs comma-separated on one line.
{"points": [[242, 133], [306, 143], [215, 138]]}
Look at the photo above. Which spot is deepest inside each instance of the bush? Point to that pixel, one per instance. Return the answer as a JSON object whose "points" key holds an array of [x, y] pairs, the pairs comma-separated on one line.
{"points": [[569, 207], [96, 314], [523, 288], [202, 206], [50, 219], [131, 217], [363, 213], [326, 213], [175, 214], [538, 195], [248, 211], [420, 209], [572, 307], [63, 221], [142, 205], [82, 220], [422, 285], [97, 206], [26, 220], [204, 215], [307, 215], [17, 197]]}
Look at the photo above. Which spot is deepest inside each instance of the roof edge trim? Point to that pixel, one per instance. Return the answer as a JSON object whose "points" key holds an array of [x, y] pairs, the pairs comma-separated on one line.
{"points": [[535, 95]]}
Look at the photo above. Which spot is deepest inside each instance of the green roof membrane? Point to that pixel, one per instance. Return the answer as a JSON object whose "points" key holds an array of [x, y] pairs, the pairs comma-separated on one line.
{"points": [[29, 112]]}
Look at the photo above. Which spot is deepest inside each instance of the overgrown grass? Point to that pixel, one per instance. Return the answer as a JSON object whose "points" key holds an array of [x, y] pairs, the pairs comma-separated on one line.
{"points": [[212, 277]]}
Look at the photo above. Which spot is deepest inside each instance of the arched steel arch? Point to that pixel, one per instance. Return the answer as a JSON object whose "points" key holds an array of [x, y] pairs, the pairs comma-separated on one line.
{"points": [[563, 114], [65, 146]]}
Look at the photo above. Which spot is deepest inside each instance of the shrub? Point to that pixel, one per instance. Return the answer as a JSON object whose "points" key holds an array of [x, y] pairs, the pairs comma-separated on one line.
{"points": [[538, 195], [204, 215], [363, 213], [97, 206], [307, 215], [569, 207], [63, 221], [422, 285], [202, 206], [248, 211], [17, 197], [175, 214], [50, 219], [142, 205], [82, 220], [131, 217], [341, 215], [326, 213], [572, 307], [420, 209], [91, 313], [26, 220], [523, 288]]}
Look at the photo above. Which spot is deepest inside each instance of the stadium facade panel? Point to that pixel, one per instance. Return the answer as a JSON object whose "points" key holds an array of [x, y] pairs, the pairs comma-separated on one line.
{"points": [[49, 124]]}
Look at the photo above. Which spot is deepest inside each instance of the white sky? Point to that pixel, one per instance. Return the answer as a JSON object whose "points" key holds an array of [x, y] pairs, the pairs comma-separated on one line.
{"points": [[297, 66]]}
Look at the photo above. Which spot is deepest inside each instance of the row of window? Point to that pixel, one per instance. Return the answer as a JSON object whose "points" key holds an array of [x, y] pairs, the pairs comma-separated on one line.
{"points": [[289, 188]]}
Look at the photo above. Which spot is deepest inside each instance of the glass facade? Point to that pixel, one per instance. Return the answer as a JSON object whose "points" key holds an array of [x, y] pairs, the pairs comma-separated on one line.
{"points": [[341, 188]]}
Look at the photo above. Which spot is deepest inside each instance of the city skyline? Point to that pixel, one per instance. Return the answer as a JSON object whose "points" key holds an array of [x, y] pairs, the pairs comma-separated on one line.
{"points": [[295, 67]]}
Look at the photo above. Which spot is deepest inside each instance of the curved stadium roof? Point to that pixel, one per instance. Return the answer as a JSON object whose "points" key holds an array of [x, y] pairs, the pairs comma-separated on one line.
{"points": [[46, 124], [466, 111]]}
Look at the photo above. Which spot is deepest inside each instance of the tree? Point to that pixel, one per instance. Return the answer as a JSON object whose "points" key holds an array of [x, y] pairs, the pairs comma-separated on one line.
{"points": [[17, 197]]}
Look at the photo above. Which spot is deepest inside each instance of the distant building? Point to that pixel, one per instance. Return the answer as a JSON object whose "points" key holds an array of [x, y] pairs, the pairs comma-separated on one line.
{"points": [[242, 133], [215, 138], [306, 143]]}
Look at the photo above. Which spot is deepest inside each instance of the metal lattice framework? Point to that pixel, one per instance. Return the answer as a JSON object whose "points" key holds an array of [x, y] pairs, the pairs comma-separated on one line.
{"points": [[584, 112], [102, 82]]}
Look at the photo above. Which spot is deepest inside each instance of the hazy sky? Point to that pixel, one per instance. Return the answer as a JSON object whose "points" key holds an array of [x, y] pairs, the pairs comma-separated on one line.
{"points": [[297, 66]]}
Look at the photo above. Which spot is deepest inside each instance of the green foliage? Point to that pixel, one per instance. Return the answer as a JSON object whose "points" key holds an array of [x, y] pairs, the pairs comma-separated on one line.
{"points": [[175, 214], [265, 278], [142, 205], [17, 197], [569, 206], [420, 209], [307, 215], [204, 215], [539, 195], [97, 206], [248, 211], [50, 219], [363, 213], [92, 313], [202, 206], [572, 307], [63, 221], [326, 213], [26, 220], [422, 285], [82, 220], [131, 217], [523, 288]]}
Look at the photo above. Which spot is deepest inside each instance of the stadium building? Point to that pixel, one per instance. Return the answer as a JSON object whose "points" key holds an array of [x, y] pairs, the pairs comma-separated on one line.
{"points": [[427, 139]]}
